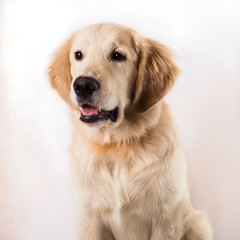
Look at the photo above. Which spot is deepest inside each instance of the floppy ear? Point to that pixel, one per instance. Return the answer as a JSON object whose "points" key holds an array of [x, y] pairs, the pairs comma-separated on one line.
{"points": [[156, 74], [59, 71]]}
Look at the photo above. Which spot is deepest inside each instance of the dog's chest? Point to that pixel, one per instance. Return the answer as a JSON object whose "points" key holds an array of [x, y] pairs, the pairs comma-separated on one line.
{"points": [[115, 187], [118, 180], [125, 187], [121, 214], [113, 184]]}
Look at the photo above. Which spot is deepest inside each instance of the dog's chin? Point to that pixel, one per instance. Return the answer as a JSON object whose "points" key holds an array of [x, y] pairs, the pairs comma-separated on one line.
{"points": [[95, 116]]}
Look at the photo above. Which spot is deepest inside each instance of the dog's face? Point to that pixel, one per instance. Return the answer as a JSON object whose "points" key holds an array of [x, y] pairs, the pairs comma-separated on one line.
{"points": [[105, 69]]}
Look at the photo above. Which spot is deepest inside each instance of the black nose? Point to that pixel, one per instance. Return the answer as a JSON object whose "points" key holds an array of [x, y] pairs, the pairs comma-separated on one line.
{"points": [[84, 87]]}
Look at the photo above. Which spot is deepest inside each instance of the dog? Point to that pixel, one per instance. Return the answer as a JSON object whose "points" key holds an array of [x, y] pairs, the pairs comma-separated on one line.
{"points": [[129, 169]]}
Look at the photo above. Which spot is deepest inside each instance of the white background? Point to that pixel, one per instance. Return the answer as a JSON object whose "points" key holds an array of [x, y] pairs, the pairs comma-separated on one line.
{"points": [[36, 196]]}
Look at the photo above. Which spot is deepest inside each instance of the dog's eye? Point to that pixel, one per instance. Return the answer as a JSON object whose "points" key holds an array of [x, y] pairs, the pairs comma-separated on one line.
{"points": [[116, 56], [78, 55]]}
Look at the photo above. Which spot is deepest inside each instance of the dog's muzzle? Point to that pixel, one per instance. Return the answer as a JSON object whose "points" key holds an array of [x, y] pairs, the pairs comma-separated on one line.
{"points": [[85, 89]]}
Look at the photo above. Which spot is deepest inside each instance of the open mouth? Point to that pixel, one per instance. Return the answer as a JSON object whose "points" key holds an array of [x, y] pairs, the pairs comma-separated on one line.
{"points": [[91, 114]]}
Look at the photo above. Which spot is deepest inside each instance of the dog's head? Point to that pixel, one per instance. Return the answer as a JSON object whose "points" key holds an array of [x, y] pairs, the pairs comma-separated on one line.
{"points": [[105, 69]]}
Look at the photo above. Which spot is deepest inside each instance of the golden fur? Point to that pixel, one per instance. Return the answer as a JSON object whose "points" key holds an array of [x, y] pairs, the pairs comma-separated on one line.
{"points": [[131, 175]]}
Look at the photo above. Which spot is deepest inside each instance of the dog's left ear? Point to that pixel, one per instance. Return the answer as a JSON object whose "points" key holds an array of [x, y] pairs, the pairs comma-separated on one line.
{"points": [[59, 71], [156, 74]]}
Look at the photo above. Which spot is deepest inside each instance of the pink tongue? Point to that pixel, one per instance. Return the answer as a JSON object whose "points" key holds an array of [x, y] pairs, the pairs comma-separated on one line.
{"points": [[89, 110]]}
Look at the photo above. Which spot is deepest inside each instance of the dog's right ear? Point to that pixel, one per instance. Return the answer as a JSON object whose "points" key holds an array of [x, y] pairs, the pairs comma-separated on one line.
{"points": [[59, 71], [156, 74]]}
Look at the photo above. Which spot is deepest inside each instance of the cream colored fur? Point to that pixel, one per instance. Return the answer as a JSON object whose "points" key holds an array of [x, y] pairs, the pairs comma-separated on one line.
{"points": [[131, 175]]}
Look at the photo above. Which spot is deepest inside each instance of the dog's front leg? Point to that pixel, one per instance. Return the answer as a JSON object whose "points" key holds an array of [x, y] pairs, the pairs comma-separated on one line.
{"points": [[163, 230], [90, 225]]}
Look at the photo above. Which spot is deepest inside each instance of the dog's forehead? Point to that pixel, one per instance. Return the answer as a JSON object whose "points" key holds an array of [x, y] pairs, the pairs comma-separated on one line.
{"points": [[104, 34]]}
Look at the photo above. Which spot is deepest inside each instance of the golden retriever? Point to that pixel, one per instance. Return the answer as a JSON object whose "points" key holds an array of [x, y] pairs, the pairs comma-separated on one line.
{"points": [[128, 164]]}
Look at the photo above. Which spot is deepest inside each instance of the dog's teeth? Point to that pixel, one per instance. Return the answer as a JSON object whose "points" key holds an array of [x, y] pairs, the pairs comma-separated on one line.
{"points": [[99, 110]]}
